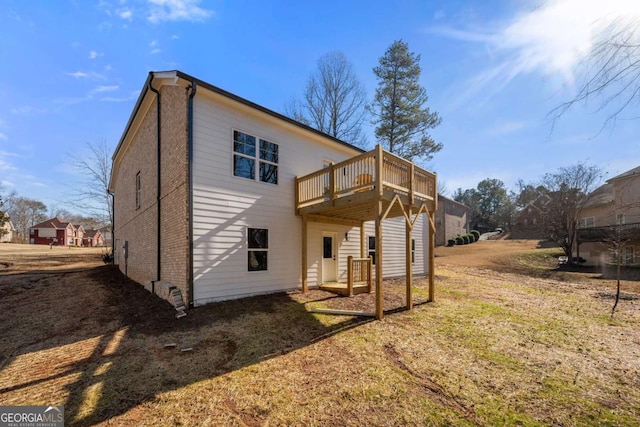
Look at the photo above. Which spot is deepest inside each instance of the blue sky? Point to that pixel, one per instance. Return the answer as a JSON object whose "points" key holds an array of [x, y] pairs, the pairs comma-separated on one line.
{"points": [[72, 71]]}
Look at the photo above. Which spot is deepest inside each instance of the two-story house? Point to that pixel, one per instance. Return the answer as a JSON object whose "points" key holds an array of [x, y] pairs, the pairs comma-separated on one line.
{"points": [[54, 232], [609, 219], [452, 219], [222, 198]]}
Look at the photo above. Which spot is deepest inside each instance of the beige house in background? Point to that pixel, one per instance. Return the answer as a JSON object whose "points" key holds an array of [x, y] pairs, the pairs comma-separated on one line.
{"points": [[611, 214], [451, 220], [9, 232]]}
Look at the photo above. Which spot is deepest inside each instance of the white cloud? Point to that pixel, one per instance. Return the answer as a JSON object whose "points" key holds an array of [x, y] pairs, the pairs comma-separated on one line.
{"points": [[176, 10], [507, 127], [6, 183], [125, 14], [93, 54], [28, 109], [154, 51], [83, 75], [102, 89], [153, 43], [3, 137]]}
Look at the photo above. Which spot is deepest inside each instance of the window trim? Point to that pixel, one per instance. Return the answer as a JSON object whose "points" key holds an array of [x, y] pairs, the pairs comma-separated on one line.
{"points": [[257, 159], [249, 250]]}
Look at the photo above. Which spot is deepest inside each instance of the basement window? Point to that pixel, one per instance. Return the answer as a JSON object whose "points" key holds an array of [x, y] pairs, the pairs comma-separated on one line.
{"points": [[255, 158], [258, 245]]}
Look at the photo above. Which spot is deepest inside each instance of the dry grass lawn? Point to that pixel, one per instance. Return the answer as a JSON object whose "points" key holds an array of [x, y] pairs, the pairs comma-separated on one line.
{"points": [[509, 341]]}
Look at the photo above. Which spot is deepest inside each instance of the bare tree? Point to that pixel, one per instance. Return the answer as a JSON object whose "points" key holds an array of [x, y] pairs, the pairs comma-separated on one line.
{"points": [[611, 73], [568, 189], [333, 101], [24, 213], [91, 196]]}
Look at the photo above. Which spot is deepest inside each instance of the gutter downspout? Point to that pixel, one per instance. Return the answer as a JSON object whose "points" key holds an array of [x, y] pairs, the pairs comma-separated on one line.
{"points": [[159, 182], [192, 94]]}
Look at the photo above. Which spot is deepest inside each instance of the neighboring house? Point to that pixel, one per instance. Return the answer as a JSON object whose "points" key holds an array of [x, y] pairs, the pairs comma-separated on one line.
{"points": [[93, 238], [611, 215], [451, 220], [78, 237], [9, 232], [528, 222], [223, 199], [53, 231]]}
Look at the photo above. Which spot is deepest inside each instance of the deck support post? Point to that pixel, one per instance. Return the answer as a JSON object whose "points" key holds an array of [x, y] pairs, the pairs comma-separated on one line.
{"points": [[408, 274], [350, 276], [305, 285], [379, 300], [432, 247]]}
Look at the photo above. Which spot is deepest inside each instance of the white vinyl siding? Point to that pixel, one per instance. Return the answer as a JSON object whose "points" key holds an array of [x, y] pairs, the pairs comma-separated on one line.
{"points": [[225, 206]]}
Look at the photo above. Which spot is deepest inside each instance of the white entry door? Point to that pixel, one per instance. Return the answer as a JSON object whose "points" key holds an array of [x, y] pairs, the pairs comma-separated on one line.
{"points": [[329, 258]]}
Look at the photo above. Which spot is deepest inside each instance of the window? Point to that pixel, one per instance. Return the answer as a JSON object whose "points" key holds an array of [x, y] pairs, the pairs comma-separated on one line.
{"points": [[620, 219], [413, 251], [258, 244], [247, 155], [372, 248], [138, 191], [627, 256], [588, 222]]}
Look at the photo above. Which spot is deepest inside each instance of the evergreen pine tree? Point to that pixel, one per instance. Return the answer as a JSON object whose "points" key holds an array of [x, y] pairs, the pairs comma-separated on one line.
{"points": [[402, 121]]}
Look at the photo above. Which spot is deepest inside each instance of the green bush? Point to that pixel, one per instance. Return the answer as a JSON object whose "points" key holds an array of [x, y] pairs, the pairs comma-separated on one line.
{"points": [[465, 239], [451, 242], [476, 233], [472, 238], [459, 240]]}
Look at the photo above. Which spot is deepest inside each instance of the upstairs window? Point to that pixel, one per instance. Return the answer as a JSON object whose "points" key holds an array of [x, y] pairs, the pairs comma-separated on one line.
{"points": [[255, 158], [588, 222], [138, 191], [620, 219]]}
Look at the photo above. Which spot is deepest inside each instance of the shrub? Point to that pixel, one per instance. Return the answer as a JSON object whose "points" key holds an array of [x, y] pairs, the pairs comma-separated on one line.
{"points": [[476, 233], [451, 242], [472, 238], [459, 240], [107, 257], [465, 239]]}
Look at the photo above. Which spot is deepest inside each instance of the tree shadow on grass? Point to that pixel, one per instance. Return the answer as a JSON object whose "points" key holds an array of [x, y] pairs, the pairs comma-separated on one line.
{"points": [[101, 345]]}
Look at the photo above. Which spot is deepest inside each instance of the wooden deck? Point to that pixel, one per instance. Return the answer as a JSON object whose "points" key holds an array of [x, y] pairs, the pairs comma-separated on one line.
{"points": [[350, 189], [372, 186]]}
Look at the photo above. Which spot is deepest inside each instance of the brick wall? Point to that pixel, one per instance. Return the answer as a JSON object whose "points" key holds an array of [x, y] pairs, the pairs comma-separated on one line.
{"points": [[174, 238], [138, 226]]}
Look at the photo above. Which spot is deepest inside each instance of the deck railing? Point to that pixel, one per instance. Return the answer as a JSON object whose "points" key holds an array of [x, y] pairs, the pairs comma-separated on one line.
{"points": [[609, 232], [360, 174], [359, 270]]}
